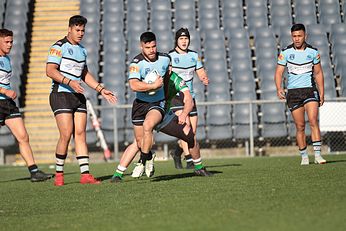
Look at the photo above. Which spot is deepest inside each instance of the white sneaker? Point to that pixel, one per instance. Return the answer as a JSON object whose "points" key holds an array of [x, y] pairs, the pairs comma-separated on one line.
{"points": [[138, 170], [149, 166], [305, 161], [320, 160]]}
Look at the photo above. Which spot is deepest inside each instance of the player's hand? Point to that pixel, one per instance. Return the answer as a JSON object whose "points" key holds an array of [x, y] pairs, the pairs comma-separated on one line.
{"points": [[76, 86], [205, 80], [281, 93], [10, 93], [109, 96], [321, 100], [158, 83], [182, 118]]}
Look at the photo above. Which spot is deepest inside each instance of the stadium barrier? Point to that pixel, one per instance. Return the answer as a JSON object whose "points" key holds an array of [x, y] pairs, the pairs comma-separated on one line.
{"points": [[256, 137]]}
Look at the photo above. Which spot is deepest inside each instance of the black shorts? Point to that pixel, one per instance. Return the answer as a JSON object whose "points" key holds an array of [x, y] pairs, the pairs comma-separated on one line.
{"points": [[177, 104], [298, 97], [8, 110], [64, 102], [141, 108]]}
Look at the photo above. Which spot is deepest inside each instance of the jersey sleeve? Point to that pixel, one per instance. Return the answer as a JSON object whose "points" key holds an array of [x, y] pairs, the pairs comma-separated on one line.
{"points": [[317, 58], [199, 63], [55, 54], [282, 59], [178, 82], [134, 71]]}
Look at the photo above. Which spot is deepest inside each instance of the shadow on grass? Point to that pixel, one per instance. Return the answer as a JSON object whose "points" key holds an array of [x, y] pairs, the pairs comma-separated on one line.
{"points": [[335, 161], [178, 176], [28, 178], [223, 165]]}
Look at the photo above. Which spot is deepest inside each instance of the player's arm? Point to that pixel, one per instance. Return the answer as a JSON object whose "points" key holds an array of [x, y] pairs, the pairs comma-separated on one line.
{"points": [[140, 86], [8, 92], [202, 75], [278, 81], [53, 72], [318, 73], [92, 83], [188, 105]]}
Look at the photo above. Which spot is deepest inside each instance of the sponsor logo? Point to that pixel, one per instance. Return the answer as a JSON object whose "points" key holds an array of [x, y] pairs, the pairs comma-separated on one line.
{"points": [[162, 104], [193, 60], [163, 69], [309, 57], [70, 51], [318, 57], [55, 52], [176, 60], [291, 57], [281, 57], [2, 64], [133, 69]]}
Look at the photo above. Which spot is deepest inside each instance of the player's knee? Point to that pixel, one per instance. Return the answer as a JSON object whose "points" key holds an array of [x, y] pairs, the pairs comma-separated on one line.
{"points": [[23, 138]]}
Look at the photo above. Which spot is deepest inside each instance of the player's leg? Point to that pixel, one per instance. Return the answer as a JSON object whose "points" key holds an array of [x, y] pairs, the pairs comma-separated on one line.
{"points": [[16, 125], [64, 123], [80, 121], [312, 112], [185, 133], [188, 157], [299, 120], [125, 160]]}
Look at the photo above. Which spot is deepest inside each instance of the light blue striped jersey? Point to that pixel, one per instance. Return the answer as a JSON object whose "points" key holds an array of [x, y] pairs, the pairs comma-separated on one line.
{"points": [[299, 65], [140, 67], [5, 74], [71, 60], [185, 66]]}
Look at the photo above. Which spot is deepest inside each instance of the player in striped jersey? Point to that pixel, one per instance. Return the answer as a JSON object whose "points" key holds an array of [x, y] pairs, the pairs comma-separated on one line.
{"points": [[9, 112], [305, 89]]}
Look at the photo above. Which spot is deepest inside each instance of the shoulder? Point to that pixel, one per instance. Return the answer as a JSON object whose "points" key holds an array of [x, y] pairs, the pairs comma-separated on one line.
{"points": [[60, 42], [287, 48], [192, 52], [308, 46], [137, 59], [163, 55], [173, 51]]}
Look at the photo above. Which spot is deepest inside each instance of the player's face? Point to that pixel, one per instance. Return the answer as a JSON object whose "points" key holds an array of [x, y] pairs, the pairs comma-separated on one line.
{"points": [[6, 45], [149, 50], [183, 42], [76, 33], [298, 38]]}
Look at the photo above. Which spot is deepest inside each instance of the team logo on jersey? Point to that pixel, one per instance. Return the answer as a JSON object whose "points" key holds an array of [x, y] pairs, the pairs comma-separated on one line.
{"points": [[163, 69], [55, 52], [133, 69], [70, 51], [2, 64], [281, 57], [162, 104], [309, 57], [193, 60], [176, 60], [291, 57], [147, 70]]}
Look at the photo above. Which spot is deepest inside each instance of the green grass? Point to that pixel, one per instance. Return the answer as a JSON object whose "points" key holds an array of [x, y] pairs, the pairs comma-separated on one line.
{"points": [[244, 194]]}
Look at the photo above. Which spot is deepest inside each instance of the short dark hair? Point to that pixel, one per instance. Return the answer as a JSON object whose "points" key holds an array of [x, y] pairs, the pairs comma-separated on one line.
{"points": [[77, 20], [5, 33], [297, 27], [147, 37]]}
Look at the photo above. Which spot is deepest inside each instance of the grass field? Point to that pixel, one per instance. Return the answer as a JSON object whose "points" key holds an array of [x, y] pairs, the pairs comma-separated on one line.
{"points": [[265, 193]]}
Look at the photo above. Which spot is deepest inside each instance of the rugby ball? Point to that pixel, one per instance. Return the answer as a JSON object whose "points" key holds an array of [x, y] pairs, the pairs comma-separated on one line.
{"points": [[151, 76]]}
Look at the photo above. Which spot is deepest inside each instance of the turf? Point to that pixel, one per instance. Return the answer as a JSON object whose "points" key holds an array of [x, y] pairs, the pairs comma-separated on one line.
{"points": [[244, 194]]}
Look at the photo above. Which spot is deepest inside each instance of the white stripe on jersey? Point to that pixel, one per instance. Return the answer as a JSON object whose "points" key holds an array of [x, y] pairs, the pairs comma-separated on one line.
{"points": [[72, 67], [299, 69]]}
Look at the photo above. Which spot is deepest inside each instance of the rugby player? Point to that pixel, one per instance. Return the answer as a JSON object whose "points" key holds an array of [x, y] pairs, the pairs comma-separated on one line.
{"points": [[305, 89], [66, 66], [185, 63], [9, 112]]}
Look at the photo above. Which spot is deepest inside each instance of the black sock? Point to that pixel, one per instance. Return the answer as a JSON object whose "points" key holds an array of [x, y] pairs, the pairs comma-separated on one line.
{"points": [[188, 158], [33, 168], [145, 157]]}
